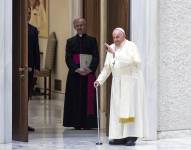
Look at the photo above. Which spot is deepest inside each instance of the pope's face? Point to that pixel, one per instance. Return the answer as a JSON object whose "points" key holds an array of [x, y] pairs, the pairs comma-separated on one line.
{"points": [[118, 37], [80, 26]]}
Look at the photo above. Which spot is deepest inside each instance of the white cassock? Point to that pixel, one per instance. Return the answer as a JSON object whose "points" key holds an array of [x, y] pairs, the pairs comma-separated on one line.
{"points": [[127, 117]]}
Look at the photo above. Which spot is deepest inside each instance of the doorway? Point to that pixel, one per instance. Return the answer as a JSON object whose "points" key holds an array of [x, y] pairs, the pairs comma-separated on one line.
{"points": [[91, 11]]}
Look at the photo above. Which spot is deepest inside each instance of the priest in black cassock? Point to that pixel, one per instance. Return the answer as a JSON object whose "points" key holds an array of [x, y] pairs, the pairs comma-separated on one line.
{"points": [[80, 97]]}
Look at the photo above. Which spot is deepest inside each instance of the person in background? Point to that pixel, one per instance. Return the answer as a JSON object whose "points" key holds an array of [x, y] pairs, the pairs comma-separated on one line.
{"points": [[80, 98], [33, 57]]}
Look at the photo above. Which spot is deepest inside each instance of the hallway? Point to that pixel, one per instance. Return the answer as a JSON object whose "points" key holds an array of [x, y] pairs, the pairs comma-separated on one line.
{"points": [[46, 118]]}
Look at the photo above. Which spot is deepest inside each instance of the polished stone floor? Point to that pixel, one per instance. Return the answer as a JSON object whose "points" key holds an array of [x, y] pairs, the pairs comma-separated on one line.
{"points": [[46, 117]]}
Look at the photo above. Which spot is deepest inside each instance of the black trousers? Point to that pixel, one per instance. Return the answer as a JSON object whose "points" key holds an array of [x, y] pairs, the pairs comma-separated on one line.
{"points": [[30, 83], [133, 139]]}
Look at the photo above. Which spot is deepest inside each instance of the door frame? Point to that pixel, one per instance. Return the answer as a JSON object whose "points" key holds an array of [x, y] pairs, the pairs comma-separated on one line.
{"points": [[20, 71]]}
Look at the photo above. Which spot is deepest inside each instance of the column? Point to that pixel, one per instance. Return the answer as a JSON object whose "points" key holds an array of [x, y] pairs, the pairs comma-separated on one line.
{"points": [[145, 33], [103, 39], [5, 71]]}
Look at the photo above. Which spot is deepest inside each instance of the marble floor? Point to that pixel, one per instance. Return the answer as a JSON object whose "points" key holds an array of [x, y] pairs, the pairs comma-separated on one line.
{"points": [[46, 117]]}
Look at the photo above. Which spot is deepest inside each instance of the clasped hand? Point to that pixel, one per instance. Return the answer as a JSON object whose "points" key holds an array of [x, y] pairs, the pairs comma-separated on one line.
{"points": [[83, 71]]}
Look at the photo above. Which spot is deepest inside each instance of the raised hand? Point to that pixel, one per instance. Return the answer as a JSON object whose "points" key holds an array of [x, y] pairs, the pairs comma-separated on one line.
{"points": [[109, 49]]}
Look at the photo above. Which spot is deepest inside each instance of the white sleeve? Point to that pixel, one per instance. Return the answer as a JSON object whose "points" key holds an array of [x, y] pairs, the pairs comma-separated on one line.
{"points": [[136, 56], [106, 71]]}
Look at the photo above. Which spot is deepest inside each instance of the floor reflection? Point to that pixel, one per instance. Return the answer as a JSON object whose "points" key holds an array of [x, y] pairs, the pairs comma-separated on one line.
{"points": [[46, 117]]}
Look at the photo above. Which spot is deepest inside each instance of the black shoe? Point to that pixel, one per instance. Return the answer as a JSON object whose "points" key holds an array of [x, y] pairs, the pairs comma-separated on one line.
{"points": [[77, 128], [117, 142], [130, 143], [87, 128], [31, 129]]}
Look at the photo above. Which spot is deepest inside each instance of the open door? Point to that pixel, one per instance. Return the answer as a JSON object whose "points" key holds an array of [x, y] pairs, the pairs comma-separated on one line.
{"points": [[20, 71]]}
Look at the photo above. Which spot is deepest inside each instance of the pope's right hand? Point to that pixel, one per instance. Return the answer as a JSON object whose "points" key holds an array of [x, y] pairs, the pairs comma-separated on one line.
{"points": [[96, 84]]}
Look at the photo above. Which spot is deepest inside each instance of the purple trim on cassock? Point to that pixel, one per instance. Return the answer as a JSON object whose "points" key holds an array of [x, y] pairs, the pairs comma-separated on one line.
{"points": [[90, 87], [90, 96], [76, 58]]}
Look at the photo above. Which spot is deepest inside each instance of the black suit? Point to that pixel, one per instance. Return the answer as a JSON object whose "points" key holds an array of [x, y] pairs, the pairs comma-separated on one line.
{"points": [[33, 55]]}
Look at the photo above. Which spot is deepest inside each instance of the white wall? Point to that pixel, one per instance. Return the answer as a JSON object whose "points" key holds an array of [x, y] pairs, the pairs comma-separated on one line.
{"points": [[5, 71], [175, 65], [60, 22], [167, 65]]}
